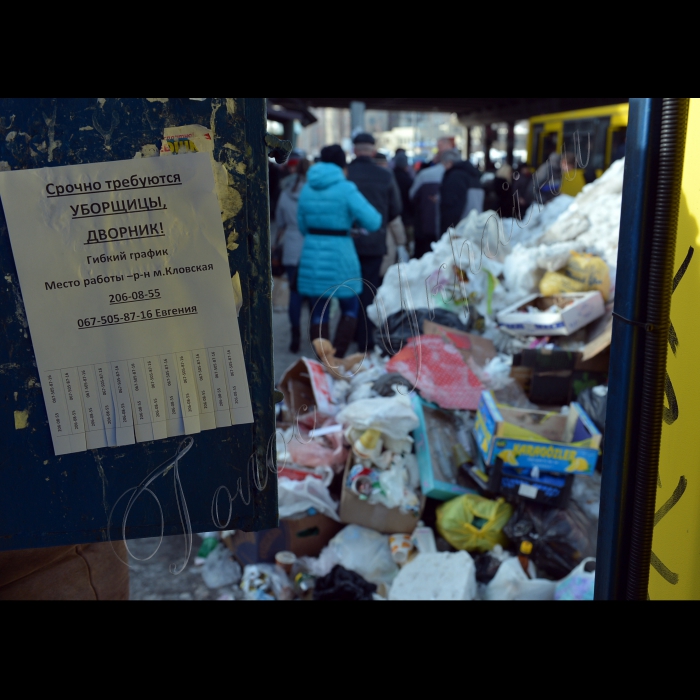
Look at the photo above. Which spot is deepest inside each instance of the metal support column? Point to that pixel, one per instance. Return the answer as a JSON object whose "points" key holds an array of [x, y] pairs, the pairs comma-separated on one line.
{"points": [[357, 117], [511, 144]]}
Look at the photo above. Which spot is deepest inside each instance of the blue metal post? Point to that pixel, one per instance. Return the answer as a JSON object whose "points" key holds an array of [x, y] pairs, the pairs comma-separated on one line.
{"points": [[627, 347]]}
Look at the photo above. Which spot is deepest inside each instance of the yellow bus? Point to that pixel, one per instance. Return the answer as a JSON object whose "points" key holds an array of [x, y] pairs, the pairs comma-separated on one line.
{"points": [[606, 126]]}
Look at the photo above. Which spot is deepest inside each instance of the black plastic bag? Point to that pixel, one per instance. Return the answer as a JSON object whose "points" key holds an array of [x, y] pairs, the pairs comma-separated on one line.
{"points": [[401, 327], [595, 403], [342, 584], [384, 386], [561, 539], [487, 566]]}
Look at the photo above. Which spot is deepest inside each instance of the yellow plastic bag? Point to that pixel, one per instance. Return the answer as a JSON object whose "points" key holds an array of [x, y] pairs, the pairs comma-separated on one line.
{"points": [[591, 271], [583, 273], [473, 523], [554, 283]]}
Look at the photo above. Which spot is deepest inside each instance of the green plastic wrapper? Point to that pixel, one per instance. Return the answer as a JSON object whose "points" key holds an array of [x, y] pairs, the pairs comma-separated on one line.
{"points": [[473, 523], [208, 546]]}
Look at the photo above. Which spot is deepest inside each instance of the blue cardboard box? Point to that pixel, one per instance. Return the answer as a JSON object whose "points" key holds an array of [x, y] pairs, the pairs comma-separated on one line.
{"points": [[436, 481], [547, 488], [537, 439]]}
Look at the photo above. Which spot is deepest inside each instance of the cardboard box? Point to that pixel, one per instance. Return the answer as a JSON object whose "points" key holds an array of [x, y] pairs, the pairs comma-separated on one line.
{"points": [[306, 537], [577, 311], [548, 489], [481, 350], [435, 482], [555, 377], [388, 521], [306, 384], [566, 445]]}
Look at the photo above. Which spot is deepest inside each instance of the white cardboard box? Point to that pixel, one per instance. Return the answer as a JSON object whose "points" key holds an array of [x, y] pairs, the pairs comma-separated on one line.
{"points": [[586, 307]]}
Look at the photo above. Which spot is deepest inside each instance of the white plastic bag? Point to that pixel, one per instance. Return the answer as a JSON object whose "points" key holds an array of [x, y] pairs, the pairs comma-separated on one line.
{"points": [[439, 576], [511, 583], [392, 416], [219, 568], [297, 497], [496, 374], [357, 549], [578, 585], [586, 492], [393, 482]]}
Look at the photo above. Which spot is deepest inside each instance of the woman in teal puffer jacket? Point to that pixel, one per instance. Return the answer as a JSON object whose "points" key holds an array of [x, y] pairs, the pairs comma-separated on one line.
{"points": [[329, 206]]}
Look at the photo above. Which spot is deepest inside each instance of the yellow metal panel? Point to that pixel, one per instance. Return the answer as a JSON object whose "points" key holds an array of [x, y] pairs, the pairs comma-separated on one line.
{"points": [[675, 573], [617, 112]]}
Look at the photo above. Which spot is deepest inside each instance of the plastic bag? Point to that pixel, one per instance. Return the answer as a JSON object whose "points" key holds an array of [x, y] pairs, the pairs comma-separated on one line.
{"points": [[488, 564], [392, 416], [561, 539], [401, 326], [341, 584], [586, 492], [266, 582], [326, 451], [583, 273], [595, 403], [439, 576], [358, 549], [511, 583], [473, 523], [591, 271], [554, 283], [219, 568], [579, 584], [297, 497]]}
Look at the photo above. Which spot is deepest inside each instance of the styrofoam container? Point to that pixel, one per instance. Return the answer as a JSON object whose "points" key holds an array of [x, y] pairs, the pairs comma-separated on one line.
{"points": [[586, 308]]}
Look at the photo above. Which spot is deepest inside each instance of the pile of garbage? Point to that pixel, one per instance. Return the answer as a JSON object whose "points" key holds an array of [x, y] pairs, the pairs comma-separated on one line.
{"points": [[461, 460], [487, 264]]}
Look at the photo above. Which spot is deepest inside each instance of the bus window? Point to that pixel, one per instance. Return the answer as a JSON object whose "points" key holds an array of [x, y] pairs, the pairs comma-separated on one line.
{"points": [[534, 157], [550, 145], [619, 141], [597, 129]]}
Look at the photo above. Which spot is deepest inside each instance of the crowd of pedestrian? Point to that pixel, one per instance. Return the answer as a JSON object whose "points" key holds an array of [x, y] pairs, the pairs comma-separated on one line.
{"points": [[342, 225]]}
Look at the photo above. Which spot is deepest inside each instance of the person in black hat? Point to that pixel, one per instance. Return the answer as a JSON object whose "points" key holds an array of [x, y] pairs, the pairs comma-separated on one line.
{"points": [[379, 186]]}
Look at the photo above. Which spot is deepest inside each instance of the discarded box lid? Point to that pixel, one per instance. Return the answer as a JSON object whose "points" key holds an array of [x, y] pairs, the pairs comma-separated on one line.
{"points": [[575, 312]]}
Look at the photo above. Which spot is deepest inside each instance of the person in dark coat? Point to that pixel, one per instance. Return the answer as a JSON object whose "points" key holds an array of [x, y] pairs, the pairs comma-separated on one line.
{"points": [[460, 176], [404, 182], [425, 198], [379, 186], [522, 190]]}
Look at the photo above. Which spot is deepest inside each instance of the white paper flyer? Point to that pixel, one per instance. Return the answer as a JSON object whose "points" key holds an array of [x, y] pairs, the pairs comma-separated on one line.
{"points": [[126, 282]]}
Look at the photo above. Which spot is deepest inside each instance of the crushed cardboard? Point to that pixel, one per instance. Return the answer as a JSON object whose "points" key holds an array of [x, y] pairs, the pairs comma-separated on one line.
{"points": [[306, 385], [337, 367]]}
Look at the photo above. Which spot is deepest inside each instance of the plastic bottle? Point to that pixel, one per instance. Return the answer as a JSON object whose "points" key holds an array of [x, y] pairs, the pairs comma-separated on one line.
{"points": [[207, 547]]}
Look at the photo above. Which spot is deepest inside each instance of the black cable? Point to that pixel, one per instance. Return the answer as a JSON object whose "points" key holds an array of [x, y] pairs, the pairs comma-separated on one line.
{"points": [[674, 122]]}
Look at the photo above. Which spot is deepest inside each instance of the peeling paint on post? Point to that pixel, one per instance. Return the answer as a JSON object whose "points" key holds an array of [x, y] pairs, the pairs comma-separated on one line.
{"points": [[39, 509]]}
